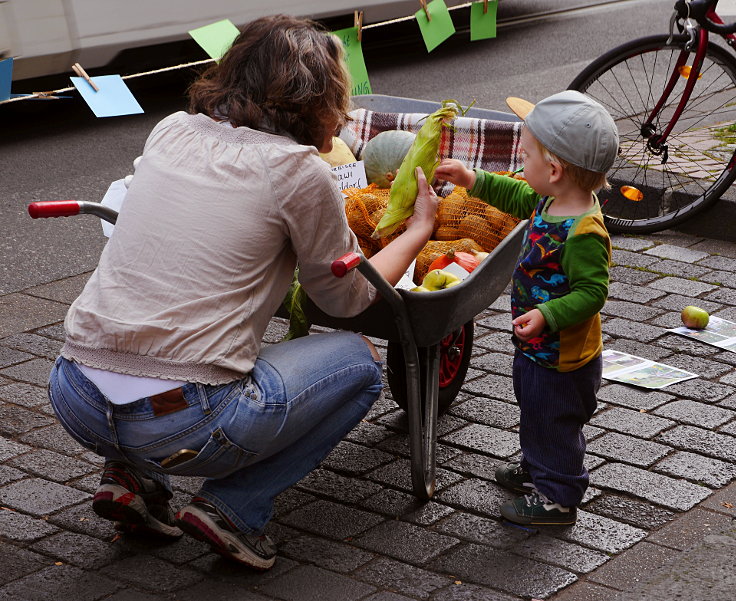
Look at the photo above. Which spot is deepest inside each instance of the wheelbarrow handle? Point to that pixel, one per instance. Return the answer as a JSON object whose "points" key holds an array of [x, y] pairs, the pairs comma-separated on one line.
{"points": [[345, 263], [66, 208]]}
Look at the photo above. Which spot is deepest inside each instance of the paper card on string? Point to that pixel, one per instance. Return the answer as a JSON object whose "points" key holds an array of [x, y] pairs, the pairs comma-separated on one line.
{"points": [[355, 61], [439, 28], [113, 99], [216, 38], [6, 78], [483, 25]]}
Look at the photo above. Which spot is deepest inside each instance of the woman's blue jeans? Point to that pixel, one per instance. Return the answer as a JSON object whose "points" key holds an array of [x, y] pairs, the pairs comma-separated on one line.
{"points": [[255, 437]]}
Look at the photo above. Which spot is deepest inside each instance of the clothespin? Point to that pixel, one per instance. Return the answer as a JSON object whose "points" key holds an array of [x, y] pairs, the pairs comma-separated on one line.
{"points": [[359, 24], [426, 10], [45, 96], [83, 74], [485, 7]]}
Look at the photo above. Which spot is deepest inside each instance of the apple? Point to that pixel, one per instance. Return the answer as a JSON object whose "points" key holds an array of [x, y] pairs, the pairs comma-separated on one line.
{"points": [[439, 279], [694, 318], [419, 289]]}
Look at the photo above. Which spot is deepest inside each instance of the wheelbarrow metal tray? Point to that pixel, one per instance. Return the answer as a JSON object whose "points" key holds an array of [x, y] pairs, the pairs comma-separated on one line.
{"points": [[435, 314]]}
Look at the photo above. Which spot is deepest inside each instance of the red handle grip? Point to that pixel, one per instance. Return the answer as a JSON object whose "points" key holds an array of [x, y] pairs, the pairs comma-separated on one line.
{"points": [[345, 263], [53, 208]]}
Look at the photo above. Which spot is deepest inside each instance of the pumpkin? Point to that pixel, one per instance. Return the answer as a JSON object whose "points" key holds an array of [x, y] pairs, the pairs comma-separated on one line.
{"points": [[383, 155], [339, 155]]}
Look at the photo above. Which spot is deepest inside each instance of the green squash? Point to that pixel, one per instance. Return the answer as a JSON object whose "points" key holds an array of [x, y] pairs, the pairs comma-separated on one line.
{"points": [[383, 155]]}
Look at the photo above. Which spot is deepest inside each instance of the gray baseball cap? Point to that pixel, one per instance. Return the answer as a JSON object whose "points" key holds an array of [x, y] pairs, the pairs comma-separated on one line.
{"points": [[572, 126]]}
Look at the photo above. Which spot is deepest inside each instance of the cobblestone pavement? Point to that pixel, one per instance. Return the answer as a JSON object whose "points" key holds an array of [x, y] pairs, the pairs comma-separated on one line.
{"points": [[661, 462]]}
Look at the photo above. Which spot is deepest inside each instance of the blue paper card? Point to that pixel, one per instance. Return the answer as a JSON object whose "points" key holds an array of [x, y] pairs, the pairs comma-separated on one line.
{"points": [[6, 78], [113, 99]]}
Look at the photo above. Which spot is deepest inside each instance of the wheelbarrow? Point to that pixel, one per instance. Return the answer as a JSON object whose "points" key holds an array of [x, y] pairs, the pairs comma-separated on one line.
{"points": [[429, 334]]}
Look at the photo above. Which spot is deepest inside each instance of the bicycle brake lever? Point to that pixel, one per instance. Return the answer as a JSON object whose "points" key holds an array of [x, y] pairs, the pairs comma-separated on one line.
{"points": [[691, 27], [673, 20]]}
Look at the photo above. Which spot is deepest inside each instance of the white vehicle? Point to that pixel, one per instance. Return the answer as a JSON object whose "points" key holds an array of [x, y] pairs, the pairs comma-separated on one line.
{"points": [[47, 37]]}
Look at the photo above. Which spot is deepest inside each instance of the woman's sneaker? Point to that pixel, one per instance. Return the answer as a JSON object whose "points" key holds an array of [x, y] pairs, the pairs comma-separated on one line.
{"points": [[203, 521], [137, 504], [514, 477], [535, 509]]}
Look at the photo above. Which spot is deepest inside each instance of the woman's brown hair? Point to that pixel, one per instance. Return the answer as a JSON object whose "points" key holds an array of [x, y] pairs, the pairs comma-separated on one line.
{"points": [[282, 74]]}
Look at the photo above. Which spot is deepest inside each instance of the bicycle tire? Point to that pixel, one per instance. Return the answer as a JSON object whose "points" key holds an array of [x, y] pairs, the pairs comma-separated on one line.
{"points": [[688, 178]]}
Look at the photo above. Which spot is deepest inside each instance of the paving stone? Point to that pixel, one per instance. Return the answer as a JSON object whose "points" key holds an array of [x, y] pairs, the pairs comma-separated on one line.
{"points": [[385, 404], [499, 321], [398, 475], [34, 344], [52, 466], [482, 530], [498, 363], [561, 553], [628, 569], [629, 275], [690, 438], [331, 519], [663, 490], [722, 295], [65, 290], [17, 420], [23, 394], [678, 268], [387, 596], [628, 449], [725, 279], [55, 331], [692, 526], [334, 556], [694, 467], [729, 378], [343, 488], [35, 371], [151, 574], [677, 253], [479, 437], [402, 578], [692, 412], [602, 533], [722, 501], [54, 438], [47, 583], [586, 591], [405, 506], [501, 570], [137, 595], [624, 242], [10, 474], [463, 591], [632, 511], [22, 312], [633, 293], [705, 368], [643, 425], [632, 259], [674, 342], [11, 356], [399, 445], [81, 518], [449, 423], [717, 262], [494, 386], [677, 285], [489, 412], [404, 541], [216, 590], [472, 464], [655, 352], [493, 341], [39, 497], [716, 247], [624, 328], [729, 428], [355, 459], [80, 550], [479, 496], [10, 448], [368, 434], [629, 310], [21, 527]]}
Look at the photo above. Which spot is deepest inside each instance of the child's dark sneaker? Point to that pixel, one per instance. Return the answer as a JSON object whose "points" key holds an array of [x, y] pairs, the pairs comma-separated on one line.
{"points": [[137, 504], [535, 509], [513, 476], [203, 521]]}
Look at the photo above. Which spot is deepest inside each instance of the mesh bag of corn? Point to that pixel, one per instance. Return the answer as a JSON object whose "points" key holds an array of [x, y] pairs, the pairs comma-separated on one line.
{"points": [[364, 208]]}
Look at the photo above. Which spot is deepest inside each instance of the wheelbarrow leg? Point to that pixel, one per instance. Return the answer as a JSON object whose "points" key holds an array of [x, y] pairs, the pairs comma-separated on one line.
{"points": [[422, 416]]}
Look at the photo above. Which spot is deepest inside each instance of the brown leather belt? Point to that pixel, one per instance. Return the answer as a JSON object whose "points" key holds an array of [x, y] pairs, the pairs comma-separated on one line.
{"points": [[167, 402]]}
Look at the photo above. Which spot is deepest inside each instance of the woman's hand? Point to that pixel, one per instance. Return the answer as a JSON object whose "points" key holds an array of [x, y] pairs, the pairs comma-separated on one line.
{"points": [[425, 206], [455, 172], [529, 325]]}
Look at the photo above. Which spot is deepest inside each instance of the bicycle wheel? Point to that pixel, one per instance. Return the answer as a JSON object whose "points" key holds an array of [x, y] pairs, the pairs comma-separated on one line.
{"points": [[653, 188]]}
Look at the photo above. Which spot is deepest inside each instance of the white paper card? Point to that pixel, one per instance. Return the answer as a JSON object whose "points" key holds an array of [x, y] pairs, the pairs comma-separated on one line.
{"points": [[351, 175], [455, 269], [406, 282], [114, 198]]}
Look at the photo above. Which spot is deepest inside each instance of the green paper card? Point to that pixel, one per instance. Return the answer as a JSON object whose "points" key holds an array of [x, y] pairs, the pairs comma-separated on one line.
{"points": [[483, 26], [439, 28], [355, 61], [216, 38]]}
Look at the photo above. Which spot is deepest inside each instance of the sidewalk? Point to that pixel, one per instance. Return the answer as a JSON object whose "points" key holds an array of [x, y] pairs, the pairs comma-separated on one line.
{"points": [[657, 522]]}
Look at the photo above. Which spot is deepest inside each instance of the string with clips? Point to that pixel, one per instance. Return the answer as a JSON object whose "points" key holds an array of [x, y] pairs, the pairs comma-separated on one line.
{"points": [[358, 24]]}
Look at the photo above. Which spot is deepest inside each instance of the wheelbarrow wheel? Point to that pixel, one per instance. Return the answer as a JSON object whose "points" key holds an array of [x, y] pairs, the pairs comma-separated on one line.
{"points": [[455, 350]]}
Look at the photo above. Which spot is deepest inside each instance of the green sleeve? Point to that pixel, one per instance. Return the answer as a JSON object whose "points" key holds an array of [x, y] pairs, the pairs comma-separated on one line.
{"points": [[585, 260], [508, 194]]}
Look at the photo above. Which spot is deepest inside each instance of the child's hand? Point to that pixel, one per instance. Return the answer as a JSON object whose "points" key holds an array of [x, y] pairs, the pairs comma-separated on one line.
{"points": [[456, 173], [529, 325]]}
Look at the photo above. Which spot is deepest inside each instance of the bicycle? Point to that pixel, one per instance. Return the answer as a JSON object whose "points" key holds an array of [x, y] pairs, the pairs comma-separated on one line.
{"points": [[673, 98]]}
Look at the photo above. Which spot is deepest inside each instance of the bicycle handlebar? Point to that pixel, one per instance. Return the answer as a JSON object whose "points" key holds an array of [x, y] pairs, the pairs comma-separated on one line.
{"points": [[703, 11]]}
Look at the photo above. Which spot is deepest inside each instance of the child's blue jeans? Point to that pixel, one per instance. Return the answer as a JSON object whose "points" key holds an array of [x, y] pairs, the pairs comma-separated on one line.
{"points": [[554, 408], [256, 436]]}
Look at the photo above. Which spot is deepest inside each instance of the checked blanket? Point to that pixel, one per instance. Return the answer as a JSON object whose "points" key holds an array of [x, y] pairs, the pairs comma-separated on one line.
{"points": [[484, 143]]}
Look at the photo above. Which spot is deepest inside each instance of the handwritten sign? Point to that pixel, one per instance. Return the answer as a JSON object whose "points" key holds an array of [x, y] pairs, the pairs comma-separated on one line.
{"points": [[439, 28], [355, 61], [483, 25], [216, 38], [351, 175]]}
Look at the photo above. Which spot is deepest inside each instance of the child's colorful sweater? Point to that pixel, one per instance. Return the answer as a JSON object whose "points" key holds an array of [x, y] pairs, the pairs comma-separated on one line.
{"points": [[562, 271]]}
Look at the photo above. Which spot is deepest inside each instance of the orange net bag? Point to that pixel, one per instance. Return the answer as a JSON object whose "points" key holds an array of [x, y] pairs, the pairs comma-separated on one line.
{"points": [[364, 208]]}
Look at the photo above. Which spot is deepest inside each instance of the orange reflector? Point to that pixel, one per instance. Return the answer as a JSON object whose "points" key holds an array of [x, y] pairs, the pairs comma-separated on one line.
{"points": [[632, 193], [685, 71]]}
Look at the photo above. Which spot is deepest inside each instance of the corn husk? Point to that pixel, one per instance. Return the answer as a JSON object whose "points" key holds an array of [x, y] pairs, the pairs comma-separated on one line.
{"points": [[423, 153]]}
